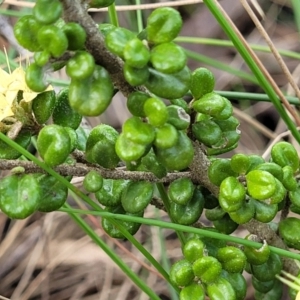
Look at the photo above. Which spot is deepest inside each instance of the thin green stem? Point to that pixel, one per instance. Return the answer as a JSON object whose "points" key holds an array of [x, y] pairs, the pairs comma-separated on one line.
{"points": [[166, 201], [188, 229], [59, 82], [12, 13], [98, 241], [11, 62], [134, 242], [296, 10], [139, 17], [223, 43], [88, 200], [254, 97], [165, 258], [226, 26], [218, 65], [113, 16]]}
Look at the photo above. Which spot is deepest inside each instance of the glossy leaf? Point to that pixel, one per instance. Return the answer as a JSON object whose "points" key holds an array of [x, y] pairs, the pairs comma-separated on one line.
{"points": [[179, 156], [111, 191], [19, 195], [221, 289], [93, 181], [113, 231], [268, 270], [219, 170], [207, 269], [166, 136], [43, 106], [91, 96], [169, 86], [26, 30], [128, 150], [232, 194], [63, 109], [168, 58], [257, 256], [188, 214], [207, 132], [100, 146], [203, 82], [23, 139], [240, 163], [191, 292], [232, 258], [136, 196], [136, 53], [260, 184], [80, 66], [181, 191], [53, 144], [52, 39], [137, 131], [193, 249], [178, 117], [289, 232], [181, 273], [285, 154], [47, 12], [163, 25], [54, 194]]}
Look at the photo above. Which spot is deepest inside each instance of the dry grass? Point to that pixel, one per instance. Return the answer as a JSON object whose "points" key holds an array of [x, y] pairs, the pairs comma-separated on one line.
{"points": [[47, 257]]}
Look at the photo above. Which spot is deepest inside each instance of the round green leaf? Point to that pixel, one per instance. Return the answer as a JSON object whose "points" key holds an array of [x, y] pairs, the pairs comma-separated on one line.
{"points": [[289, 231], [181, 273], [168, 58], [261, 184], [136, 196], [232, 194], [240, 163], [285, 154], [163, 25]]}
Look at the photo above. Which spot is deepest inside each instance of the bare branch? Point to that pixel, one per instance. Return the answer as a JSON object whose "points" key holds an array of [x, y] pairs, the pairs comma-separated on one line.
{"points": [[80, 169]]}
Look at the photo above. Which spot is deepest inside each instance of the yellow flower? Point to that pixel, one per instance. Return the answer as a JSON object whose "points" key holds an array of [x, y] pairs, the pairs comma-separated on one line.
{"points": [[5, 108], [10, 85]]}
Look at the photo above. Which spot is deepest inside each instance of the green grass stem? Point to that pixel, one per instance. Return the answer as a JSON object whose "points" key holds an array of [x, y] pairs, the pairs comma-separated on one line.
{"points": [[164, 197], [139, 17], [254, 97], [98, 241], [113, 16], [89, 201], [296, 11], [264, 83], [221, 66], [224, 43], [188, 229]]}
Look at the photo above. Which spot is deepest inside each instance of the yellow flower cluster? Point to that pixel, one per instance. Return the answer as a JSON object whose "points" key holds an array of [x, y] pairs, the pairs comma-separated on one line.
{"points": [[10, 85]]}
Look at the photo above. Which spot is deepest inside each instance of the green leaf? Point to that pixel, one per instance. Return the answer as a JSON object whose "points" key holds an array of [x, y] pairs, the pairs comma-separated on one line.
{"points": [[261, 184]]}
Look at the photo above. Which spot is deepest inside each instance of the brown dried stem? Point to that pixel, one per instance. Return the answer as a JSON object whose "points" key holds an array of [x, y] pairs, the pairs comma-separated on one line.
{"points": [[80, 169]]}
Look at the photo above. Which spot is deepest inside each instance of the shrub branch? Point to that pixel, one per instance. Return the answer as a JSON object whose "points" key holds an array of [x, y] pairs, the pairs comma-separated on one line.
{"points": [[76, 11], [81, 169]]}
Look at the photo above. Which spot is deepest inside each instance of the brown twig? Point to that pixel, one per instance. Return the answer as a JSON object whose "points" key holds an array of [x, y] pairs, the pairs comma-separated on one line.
{"points": [[80, 169]]}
